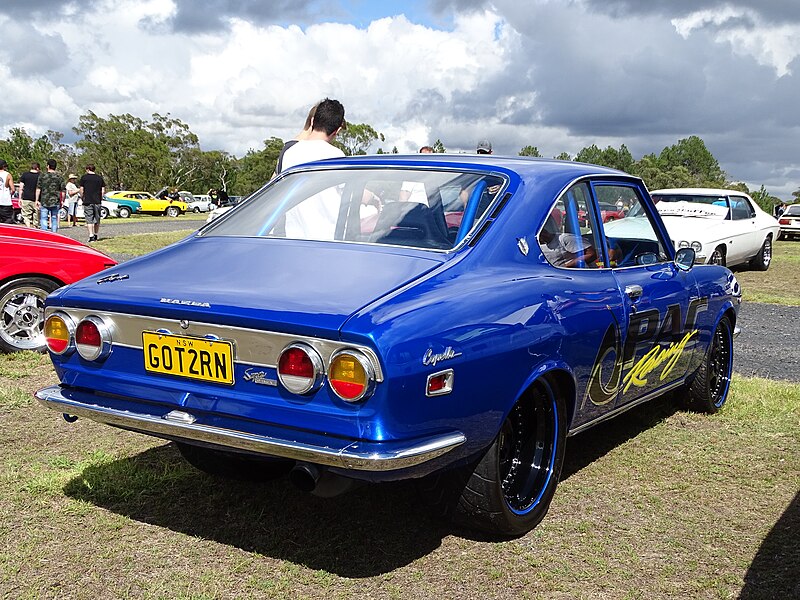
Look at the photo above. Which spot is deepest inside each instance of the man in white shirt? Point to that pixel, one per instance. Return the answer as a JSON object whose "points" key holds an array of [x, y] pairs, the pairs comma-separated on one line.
{"points": [[315, 218]]}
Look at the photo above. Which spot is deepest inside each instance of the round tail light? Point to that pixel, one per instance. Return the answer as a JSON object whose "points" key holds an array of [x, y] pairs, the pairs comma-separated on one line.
{"points": [[93, 338], [300, 369], [59, 333], [351, 375]]}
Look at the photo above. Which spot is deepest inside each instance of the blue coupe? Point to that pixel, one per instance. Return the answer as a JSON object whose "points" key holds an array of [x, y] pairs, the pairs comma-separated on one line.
{"points": [[450, 319]]}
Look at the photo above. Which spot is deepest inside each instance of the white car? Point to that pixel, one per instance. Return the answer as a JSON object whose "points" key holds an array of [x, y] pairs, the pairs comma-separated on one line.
{"points": [[724, 227], [200, 203], [107, 209], [790, 222]]}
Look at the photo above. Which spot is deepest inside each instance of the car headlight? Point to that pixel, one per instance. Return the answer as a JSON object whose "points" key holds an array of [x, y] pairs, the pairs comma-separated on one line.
{"points": [[697, 247], [683, 244]]}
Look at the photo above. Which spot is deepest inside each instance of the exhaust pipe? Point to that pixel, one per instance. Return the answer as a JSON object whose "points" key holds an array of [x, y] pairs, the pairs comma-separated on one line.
{"points": [[318, 481]]}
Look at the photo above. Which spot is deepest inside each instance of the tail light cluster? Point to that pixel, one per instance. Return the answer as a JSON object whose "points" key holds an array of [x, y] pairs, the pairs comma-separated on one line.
{"points": [[350, 373], [91, 337]]}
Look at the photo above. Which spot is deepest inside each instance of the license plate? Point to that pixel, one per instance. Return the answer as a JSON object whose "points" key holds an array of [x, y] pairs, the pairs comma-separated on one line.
{"points": [[194, 358]]}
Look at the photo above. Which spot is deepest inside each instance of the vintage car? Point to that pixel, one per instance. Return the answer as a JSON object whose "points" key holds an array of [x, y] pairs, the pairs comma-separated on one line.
{"points": [[150, 205], [789, 222], [724, 227], [200, 203], [33, 263], [125, 207], [312, 344]]}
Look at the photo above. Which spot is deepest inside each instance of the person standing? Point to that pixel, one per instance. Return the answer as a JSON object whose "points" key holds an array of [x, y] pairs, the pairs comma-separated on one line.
{"points": [[49, 190], [73, 195], [92, 189], [484, 147], [27, 195], [6, 190]]}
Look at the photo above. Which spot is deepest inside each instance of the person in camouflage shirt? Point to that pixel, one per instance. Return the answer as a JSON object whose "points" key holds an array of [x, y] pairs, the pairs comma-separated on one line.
{"points": [[48, 196]]}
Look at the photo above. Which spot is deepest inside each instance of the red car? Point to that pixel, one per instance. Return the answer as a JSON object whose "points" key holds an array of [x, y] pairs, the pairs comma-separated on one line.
{"points": [[33, 263]]}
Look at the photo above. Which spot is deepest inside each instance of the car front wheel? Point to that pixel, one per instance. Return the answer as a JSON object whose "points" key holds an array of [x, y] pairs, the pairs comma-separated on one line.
{"points": [[718, 256], [22, 313], [124, 212], [103, 212], [172, 211], [764, 256], [709, 388], [509, 490]]}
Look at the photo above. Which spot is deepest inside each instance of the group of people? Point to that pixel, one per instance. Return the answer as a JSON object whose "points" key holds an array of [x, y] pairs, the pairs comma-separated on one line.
{"points": [[42, 194]]}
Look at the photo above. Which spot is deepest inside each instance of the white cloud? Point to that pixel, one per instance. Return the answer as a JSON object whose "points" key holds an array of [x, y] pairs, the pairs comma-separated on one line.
{"points": [[773, 45]]}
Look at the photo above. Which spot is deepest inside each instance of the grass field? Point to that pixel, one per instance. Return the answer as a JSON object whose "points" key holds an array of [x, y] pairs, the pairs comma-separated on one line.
{"points": [[780, 284], [657, 504]]}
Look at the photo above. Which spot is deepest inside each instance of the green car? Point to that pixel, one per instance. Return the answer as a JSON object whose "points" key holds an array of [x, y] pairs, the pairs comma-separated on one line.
{"points": [[126, 206]]}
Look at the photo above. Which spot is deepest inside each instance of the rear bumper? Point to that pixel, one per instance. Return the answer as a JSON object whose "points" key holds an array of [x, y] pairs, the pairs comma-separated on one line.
{"points": [[309, 447]]}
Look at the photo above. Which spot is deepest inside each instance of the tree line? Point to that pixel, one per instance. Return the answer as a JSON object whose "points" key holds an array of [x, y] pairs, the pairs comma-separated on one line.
{"points": [[138, 154]]}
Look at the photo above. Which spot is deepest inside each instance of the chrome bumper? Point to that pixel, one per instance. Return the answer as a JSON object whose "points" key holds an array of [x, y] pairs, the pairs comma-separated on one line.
{"points": [[323, 450]]}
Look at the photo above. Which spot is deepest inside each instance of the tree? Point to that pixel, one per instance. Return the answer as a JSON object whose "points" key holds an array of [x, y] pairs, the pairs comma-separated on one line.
{"points": [[530, 151], [357, 138], [256, 167], [438, 147], [765, 200], [796, 196], [20, 149], [563, 156], [692, 154]]}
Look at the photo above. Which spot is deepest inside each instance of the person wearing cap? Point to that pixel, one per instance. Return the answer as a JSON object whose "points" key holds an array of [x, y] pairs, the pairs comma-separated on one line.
{"points": [[484, 147], [73, 196]]}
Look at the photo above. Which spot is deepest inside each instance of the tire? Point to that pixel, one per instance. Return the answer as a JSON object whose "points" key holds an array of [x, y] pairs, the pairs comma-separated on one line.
{"points": [[172, 211], [718, 256], [196, 209], [232, 465], [62, 214], [781, 235], [764, 257], [22, 313], [708, 390], [124, 212], [18, 216], [508, 491], [103, 212]]}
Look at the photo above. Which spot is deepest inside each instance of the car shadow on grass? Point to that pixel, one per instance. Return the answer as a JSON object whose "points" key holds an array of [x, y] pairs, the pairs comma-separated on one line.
{"points": [[371, 530], [775, 570]]}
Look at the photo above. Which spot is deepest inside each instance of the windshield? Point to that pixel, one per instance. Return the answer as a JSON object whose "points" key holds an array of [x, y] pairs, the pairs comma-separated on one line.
{"points": [[426, 209]]}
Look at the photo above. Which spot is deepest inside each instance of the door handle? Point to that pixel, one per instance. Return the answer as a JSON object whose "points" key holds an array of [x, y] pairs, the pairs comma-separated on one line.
{"points": [[634, 292]]}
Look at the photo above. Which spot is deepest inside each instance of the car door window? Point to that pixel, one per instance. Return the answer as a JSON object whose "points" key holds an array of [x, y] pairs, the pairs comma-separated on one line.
{"points": [[741, 209], [633, 239], [568, 238]]}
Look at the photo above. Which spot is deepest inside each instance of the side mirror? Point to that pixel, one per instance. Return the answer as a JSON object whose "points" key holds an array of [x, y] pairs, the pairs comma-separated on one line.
{"points": [[684, 259]]}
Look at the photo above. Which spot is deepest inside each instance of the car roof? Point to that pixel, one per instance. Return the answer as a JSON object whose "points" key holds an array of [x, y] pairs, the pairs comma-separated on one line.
{"points": [[524, 166], [699, 192]]}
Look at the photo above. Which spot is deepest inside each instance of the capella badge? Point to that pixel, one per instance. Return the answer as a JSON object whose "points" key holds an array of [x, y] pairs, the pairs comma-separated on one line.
{"points": [[185, 302], [430, 358]]}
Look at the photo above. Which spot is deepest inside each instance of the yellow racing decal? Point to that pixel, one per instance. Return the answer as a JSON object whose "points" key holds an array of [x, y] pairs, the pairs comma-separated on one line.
{"points": [[657, 356]]}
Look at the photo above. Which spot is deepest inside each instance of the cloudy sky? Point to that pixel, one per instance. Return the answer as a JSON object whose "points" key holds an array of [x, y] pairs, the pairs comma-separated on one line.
{"points": [[556, 74]]}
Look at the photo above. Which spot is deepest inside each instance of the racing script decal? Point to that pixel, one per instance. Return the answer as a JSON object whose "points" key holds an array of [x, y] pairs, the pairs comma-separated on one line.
{"points": [[668, 336]]}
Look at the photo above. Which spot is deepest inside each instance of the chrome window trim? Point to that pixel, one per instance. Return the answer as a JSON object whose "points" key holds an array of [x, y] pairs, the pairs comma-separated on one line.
{"points": [[255, 347]]}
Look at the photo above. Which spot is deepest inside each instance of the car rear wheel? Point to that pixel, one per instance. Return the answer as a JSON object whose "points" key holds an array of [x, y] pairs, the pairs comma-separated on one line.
{"points": [[718, 256], [233, 465], [709, 388], [508, 491], [764, 256], [22, 313], [172, 211], [124, 212], [196, 209], [62, 214]]}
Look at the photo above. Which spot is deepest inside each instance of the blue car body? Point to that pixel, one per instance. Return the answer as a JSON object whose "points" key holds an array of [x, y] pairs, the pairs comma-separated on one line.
{"points": [[452, 335]]}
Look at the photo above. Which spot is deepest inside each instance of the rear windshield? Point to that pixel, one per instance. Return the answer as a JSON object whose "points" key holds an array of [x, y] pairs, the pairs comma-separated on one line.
{"points": [[428, 209]]}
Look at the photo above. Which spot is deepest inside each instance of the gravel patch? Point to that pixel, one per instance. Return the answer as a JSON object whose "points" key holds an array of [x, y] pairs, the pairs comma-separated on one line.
{"points": [[769, 344]]}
